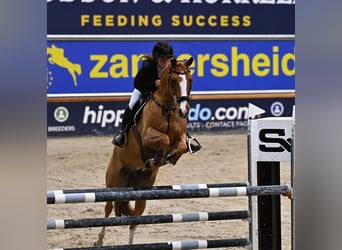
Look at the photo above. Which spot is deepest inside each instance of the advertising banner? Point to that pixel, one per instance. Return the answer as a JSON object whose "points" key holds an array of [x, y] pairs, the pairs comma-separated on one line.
{"points": [[101, 118], [107, 68], [158, 17]]}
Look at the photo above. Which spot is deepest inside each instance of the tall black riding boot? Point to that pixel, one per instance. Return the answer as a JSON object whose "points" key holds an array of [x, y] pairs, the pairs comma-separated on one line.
{"points": [[127, 121]]}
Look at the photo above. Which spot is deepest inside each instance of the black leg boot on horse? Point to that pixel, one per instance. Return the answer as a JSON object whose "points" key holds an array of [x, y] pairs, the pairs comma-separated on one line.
{"points": [[127, 122]]}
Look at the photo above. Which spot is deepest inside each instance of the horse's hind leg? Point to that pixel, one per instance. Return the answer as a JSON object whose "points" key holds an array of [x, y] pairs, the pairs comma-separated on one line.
{"points": [[101, 235], [132, 229], [139, 208], [141, 179]]}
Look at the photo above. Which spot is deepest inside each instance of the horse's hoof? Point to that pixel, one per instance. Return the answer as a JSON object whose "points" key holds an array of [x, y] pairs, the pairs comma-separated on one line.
{"points": [[98, 243], [169, 159], [149, 163], [159, 156]]}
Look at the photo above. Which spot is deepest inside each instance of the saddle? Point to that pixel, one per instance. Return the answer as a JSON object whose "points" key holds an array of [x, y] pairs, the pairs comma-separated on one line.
{"points": [[138, 108]]}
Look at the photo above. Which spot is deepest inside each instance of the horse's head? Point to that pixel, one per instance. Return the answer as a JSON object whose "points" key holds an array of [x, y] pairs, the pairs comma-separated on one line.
{"points": [[180, 81]]}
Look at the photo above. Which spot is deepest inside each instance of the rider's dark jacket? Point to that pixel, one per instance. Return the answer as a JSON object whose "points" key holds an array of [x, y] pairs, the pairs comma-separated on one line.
{"points": [[145, 80]]}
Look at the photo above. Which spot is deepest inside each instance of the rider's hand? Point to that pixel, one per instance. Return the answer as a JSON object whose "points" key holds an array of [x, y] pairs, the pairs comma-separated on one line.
{"points": [[157, 83]]}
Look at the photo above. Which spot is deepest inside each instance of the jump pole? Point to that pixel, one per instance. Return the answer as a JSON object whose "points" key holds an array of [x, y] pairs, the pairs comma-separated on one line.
{"points": [[173, 245], [165, 187], [269, 143], [61, 198], [148, 219]]}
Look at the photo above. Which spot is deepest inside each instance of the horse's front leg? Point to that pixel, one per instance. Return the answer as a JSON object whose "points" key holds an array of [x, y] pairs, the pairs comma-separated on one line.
{"points": [[182, 147], [158, 141]]}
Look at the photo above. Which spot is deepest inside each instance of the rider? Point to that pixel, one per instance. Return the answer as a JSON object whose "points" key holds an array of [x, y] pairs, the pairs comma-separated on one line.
{"points": [[146, 81]]}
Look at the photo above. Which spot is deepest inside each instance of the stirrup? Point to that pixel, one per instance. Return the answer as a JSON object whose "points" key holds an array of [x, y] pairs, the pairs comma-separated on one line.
{"points": [[198, 146]]}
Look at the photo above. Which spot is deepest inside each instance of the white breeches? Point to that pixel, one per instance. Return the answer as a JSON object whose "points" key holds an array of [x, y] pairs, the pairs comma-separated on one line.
{"points": [[135, 97]]}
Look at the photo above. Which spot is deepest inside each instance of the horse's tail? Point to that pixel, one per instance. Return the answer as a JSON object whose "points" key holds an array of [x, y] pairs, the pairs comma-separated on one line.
{"points": [[123, 208]]}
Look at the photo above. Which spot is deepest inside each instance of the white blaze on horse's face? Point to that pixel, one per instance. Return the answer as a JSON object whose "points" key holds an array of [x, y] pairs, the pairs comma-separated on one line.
{"points": [[184, 92]]}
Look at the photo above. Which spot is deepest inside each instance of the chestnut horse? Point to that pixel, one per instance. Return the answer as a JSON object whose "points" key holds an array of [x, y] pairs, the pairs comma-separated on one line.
{"points": [[157, 139]]}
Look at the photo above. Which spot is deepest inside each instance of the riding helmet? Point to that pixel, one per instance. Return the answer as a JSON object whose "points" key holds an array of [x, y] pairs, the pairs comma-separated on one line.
{"points": [[162, 49]]}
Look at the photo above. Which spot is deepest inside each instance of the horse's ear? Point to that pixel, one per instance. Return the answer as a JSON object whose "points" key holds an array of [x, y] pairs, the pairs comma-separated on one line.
{"points": [[173, 62], [189, 61]]}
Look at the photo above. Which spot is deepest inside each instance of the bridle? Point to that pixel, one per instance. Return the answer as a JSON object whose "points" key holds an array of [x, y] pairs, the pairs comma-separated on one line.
{"points": [[168, 110], [183, 72]]}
